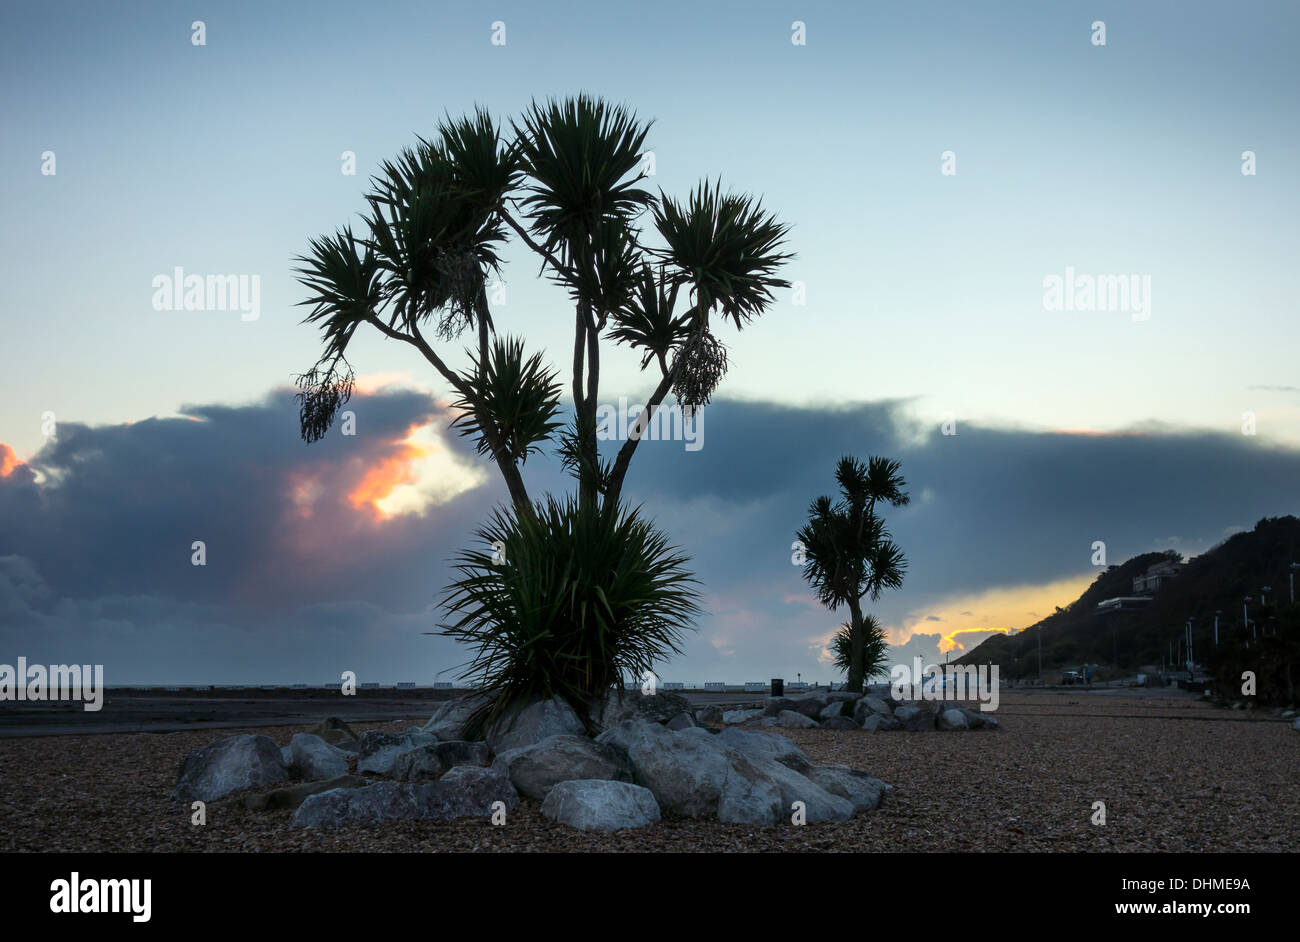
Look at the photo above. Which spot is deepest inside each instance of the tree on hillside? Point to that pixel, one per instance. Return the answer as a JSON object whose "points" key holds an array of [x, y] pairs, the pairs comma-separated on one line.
{"points": [[848, 553], [565, 181]]}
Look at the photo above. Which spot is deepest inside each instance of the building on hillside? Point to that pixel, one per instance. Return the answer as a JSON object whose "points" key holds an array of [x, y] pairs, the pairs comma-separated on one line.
{"points": [[1123, 603], [1151, 581]]}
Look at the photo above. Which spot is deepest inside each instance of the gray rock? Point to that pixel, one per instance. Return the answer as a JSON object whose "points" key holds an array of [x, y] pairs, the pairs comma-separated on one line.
{"points": [[695, 774], [879, 705], [449, 718], [869, 706], [601, 805], [839, 722], [229, 765], [432, 761], [1295, 725], [731, 717], [766, 746], [819, 804], [737, 776], [698, 731], [951, 721], [313, 759], [847, 696], [914, 719], [342, 807], [809, 705], [686, 772], [859, 788], [834, 708], [534, 770], [763, 721], [467, 791], [463, 792], [749, 795], [291, 796], [789, 719], [709, 715], [681, 721], [659, 707], [533, 723], [622, 736], [379, 751], [337, 733]]}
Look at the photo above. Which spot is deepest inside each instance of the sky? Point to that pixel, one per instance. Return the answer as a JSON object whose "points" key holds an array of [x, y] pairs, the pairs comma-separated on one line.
{"points": [[127, 432]]}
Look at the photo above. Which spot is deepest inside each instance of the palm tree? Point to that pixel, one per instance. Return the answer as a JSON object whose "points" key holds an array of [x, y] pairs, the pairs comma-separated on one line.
{"points": [[564, 180], [849, 554]]}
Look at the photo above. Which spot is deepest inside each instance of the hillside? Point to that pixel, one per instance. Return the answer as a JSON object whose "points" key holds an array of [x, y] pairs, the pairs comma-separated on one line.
{"points": [[1216, 580]]}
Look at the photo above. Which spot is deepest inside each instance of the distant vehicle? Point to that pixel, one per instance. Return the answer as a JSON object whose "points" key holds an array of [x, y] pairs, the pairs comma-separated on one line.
{"points": [[1071, 677]]}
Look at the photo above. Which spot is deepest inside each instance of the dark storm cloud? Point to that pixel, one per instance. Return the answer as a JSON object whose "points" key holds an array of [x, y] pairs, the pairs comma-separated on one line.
{"points": [[97, 559], [124, 503], [989, 506]]}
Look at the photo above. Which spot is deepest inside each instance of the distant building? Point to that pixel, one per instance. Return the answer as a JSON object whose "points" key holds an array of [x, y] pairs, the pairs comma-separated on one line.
{"points": [[1123, 603], [1151, 581]]}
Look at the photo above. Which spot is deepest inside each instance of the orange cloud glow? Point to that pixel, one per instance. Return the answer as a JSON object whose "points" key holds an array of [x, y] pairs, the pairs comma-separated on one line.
{"points": [[8, 460], [380, 481], [421, 473], [997, 610], [949, 641]]}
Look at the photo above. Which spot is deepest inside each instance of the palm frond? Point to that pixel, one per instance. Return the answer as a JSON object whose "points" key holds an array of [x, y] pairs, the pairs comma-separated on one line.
{"points": [[517, 397], [726, 247], [581, 155]]}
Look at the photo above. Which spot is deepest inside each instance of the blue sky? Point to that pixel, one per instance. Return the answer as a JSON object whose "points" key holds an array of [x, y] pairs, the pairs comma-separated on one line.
{"points": [[923, 290]]}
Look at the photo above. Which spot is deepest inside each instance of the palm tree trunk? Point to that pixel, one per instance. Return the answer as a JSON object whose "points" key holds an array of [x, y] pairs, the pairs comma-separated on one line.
{"points": [[855, 646]]}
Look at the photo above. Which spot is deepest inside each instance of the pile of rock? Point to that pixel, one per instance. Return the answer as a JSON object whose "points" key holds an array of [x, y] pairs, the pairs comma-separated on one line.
{"points": [[650, 757], [876, 710]]}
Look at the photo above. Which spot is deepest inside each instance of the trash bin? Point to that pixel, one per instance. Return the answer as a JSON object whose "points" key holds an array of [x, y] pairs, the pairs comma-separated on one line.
{"points": [[778, 687]]}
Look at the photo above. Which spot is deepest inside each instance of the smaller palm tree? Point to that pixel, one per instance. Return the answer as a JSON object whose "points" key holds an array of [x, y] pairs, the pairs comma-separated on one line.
{"points": [[849, 554]]}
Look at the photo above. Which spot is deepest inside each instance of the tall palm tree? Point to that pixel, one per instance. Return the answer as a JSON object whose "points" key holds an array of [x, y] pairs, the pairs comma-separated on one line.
{"points": [[564, 180], [849, 555]]}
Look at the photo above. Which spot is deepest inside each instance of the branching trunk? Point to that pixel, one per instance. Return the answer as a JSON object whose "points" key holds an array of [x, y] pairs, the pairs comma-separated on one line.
{"points": [[628, 449]]}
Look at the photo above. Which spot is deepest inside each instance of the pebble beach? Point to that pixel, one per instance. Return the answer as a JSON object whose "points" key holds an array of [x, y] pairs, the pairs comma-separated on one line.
{"points": [[1176, 775]]}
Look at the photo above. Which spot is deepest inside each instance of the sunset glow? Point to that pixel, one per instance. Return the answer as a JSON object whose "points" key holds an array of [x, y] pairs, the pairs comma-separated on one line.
{"points": [[420, 474], [381, 480], [8, 460], [964, 621]]}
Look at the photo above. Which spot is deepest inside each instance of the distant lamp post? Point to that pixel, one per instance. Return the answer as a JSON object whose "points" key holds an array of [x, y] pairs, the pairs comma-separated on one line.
{"points": [[1217, 613], [1291, 574], [1264, 591], [1245, 618]]}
